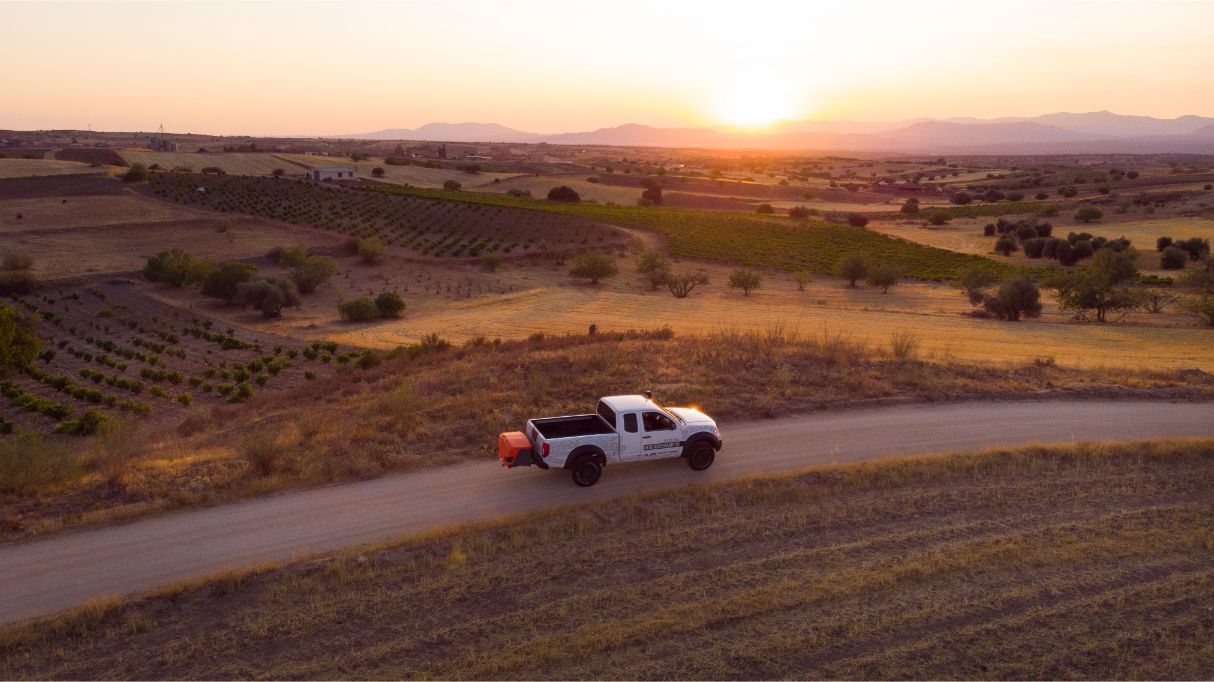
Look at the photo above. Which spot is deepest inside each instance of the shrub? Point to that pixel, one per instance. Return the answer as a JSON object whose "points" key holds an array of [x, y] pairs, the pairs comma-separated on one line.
{"points": [[802, 277], [974, 283], [1014, 298], [1162, 243], [911, 207], [312, 272], [28, 462], [16, 261], [1197, 247], [852, 267], [269, 296], [1006, 245], [882, 277], [1173, 258], [262, 452], [19, 345], [1201, 307], [941, 218], [652, 194], [857, 219], [377, 172], [223, 281], [681, 285], [961, 198], [358, 310], [289, 256], [746, 280], [491, 262], [176, 267], [452, 185], [86, 424], [136, 173], [799, 213], [1088, 214], [372, 251], [564, 193], [904, 344], [655, 267], [389, 305], [16, 282], [1067, 191], [593, 267], [765, 209]]}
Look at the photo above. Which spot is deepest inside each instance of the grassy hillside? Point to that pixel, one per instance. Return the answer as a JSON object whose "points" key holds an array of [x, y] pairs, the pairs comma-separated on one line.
{"points": [[1046, 563], [752, 239]]}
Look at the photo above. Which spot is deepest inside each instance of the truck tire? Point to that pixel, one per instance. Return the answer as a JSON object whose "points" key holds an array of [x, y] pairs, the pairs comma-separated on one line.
{"points": [[586, 471], [701, 455]]}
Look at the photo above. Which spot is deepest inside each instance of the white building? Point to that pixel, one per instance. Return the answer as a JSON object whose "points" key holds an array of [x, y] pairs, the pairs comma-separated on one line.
{"points": [[331, 174]]}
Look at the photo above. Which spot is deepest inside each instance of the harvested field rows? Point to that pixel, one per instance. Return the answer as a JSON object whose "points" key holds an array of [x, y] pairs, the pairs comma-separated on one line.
{"points": [[415, 175], [1045, 563], [232, 163], [23, 168]]}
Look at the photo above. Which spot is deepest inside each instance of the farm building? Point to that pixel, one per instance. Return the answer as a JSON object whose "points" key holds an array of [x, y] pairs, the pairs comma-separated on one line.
{"points": [[331, 174]]}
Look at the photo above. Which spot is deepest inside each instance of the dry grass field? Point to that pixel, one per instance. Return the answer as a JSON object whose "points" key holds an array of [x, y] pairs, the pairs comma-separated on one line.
{"points": [[539, 185], [1090, 562], [414, 175], [22, 168], [54, 213], [232, 163]]}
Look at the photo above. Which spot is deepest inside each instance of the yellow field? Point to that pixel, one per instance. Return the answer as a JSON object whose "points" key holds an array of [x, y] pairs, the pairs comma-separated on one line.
{"points": [[235, 163], [45, 213], [24, 168], [541, 184], [416, 176]]}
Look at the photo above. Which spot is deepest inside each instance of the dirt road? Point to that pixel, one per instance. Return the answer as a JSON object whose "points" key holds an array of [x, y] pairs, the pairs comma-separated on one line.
{"points": [[45, 576]]}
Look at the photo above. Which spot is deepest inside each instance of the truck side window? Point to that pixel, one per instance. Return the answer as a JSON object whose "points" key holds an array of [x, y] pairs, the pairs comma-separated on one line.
{"points": [[630, 423], [655, 421]]}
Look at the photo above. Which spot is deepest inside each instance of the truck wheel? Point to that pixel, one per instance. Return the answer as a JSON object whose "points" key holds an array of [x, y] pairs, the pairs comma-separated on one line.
{"points": [[586, 472], [701, 456]]}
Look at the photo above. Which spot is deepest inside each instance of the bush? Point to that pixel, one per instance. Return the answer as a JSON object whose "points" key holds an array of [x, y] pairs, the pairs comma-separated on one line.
{"points": [[19, 345], [223, 281], [974, 283], [358, 310], [312, 272], [289, 256], [857, 219], [1162, 243], [680, 285], [746, 280], [593, 267], [852, 267], [452, 185], [261, 450], [564, 193], [1067, 191], [1088, 214], [802, 277], [1200, 307], [389, 305], [799, 213], [941, 218], [652, 194], [17, 261], [765, 209], [377, 172], [176, 267], [961, 198], [269, 296], [16, 283], [655, 267], [1014, 298], [1197, 247], [136, 173], [372, 251], [883, 277], [1006, 245], [491, 262], [28, 462], [1034, 248], [1173, 258], [911, 207]]}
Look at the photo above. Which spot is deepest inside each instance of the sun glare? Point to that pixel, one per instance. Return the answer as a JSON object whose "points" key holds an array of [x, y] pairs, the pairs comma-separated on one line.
{"points": [[754, 103]]}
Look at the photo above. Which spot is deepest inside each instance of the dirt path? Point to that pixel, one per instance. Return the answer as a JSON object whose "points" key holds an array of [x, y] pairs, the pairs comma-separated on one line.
{"points": [[45, 576]]}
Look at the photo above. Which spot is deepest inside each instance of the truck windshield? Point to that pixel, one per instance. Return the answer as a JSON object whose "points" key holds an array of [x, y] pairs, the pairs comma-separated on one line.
{"points": [[607, 414], [667, 412]]}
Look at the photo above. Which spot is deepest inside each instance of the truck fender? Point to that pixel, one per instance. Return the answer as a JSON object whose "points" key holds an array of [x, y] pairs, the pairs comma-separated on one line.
{"points": [[586, 451], [700, 437]]}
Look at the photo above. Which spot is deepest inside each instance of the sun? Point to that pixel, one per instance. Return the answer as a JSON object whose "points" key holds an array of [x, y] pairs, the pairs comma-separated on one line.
{"points": [[753, 102]]}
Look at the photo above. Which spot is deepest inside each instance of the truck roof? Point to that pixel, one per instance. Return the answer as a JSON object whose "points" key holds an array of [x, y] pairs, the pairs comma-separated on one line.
{"points": [[628, 403]]}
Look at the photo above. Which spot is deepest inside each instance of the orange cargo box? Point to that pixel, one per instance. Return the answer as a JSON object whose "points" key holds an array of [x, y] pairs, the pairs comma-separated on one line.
{"points": [[514, 449]]}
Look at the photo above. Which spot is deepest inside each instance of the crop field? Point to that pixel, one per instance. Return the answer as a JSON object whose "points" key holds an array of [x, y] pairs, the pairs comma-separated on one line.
{"points": [[109, 349], [423, 226], [21, 168], [753, 240], [56, 213], [541, 184], [415, 175], [1087, 561], [232, 163]]}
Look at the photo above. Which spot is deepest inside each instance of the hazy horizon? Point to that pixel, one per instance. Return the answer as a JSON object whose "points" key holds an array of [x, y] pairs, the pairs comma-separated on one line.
{"points": [[544, 67]]}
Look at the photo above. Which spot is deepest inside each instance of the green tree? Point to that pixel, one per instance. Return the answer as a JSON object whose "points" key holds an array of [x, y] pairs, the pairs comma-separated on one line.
{"points": [[136, 173], [1014, 298], [593, 267], [1088, 214], [176, 267], [269, 296], [1200, 307], [358, 310], [452, 185], [372, 251], [655, 268], [883, 277], [1097, 286], [974, 282], [491, 262], [1005, 245], [911, 207], [312, 272], [799, 213], [746, 280], [19, 345], [389, 305], [222, 282], [1173, 258], [564, 193], [291, 256], [852, 267]]}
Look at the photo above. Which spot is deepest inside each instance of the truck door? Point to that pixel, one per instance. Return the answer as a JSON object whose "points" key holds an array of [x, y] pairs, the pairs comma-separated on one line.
{"points": [[630, 436], [660, 436]]}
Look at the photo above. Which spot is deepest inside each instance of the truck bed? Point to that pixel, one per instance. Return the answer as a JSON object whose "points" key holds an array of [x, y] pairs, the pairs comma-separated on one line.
{"points": [[573, 426]]}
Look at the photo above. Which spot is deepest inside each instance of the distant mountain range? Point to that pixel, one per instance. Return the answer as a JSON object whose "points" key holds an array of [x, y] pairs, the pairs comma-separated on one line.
{"points": [[1100, 132]]}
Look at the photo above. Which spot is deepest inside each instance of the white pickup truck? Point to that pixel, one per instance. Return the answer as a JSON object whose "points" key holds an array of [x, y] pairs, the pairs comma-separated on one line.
{"points": [[624, 428]]}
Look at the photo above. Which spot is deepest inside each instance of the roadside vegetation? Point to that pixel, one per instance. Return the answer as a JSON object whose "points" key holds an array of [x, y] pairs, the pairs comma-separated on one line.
{"points": [[1084, 561], [433, 403]]}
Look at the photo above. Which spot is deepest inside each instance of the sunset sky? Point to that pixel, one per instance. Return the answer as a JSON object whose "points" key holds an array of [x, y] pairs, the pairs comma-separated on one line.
{"points": [[331, 68]]}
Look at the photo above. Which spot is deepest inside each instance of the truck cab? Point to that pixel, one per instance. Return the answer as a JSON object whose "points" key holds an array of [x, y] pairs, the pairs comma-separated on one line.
{"points": [[623, 428]]}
